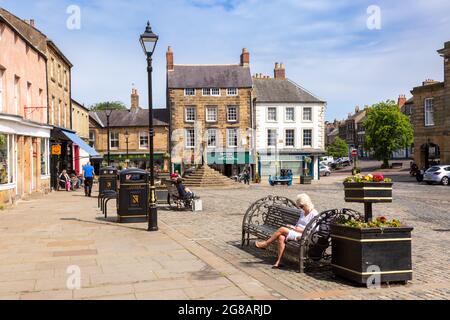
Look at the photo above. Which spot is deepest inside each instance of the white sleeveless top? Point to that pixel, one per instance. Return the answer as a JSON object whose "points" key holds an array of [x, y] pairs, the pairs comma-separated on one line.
{"points": [[304, 221]]}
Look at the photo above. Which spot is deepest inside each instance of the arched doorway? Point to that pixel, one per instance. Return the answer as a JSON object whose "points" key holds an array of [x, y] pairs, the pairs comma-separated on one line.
{"points": [[430, 154]]}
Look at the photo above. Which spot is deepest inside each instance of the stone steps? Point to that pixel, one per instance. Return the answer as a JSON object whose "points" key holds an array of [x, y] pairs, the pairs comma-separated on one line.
{"points": [[207, 177]]}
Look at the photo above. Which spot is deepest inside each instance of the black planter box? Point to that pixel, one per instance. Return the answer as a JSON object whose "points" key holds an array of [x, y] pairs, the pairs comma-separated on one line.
{"points": [[370, 192], [305, 180], [355, 251]]}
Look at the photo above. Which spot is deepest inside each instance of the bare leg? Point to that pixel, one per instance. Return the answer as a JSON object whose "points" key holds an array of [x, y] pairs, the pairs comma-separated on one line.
{"points": [[281, 232], [281, 249]]}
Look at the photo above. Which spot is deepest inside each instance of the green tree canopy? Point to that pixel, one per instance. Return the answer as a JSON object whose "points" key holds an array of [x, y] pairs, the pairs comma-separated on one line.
{"points": [[108, 105], [387, 130], [338, 148]]}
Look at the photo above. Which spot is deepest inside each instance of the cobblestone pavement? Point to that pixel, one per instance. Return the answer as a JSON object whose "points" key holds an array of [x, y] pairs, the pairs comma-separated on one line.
{"points": [[426, 208], [198, 255]]}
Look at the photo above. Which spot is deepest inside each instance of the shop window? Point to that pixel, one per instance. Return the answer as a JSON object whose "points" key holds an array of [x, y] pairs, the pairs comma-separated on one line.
{"points": [[45, 169], [6, 159]]}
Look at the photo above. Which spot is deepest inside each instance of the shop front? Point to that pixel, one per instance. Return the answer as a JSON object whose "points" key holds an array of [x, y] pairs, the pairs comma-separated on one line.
{"points": [[271, 164], [231, 163], [137, 160]]}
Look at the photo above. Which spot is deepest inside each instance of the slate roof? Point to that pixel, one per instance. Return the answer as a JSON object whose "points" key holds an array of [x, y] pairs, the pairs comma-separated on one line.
{"points": [[209, 76], [284, 91], [127, 118]]}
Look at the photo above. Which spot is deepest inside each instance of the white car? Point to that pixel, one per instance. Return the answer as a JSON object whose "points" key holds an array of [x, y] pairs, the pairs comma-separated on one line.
{"points": [[327, 160]]}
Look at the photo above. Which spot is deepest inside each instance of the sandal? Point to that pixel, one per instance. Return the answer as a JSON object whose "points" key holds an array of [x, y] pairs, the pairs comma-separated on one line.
{"points": [[280, 266]]}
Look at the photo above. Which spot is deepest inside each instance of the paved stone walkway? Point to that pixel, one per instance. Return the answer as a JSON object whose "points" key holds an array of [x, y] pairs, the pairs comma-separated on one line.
{"points": [[198, 255]]}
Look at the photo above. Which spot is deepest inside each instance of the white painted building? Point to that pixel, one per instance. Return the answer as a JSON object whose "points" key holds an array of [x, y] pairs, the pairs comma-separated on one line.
{"points": [[290, 126]]}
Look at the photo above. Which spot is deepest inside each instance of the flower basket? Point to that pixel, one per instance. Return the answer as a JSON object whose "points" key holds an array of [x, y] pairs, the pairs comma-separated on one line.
{"points": [[368, 192]]}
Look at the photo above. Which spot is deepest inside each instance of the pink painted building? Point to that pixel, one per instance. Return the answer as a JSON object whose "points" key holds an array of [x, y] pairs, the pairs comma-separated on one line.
{"points": [[24, 133]]}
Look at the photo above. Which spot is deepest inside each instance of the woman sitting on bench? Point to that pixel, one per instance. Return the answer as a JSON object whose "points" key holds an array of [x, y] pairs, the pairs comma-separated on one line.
{"points": [[183, 191], [291, 233]]}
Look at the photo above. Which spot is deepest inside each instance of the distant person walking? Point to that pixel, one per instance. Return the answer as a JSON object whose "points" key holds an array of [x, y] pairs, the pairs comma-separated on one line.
{"points": [[89, 175]]}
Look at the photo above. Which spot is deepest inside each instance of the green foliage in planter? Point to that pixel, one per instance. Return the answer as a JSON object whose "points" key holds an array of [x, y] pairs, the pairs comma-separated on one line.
{"points": [[380, 222]]}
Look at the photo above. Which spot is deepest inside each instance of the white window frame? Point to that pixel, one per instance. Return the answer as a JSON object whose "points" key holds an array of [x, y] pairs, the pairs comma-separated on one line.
{"points": [[206, 92], [208, 109], [46, 143], [268, 137], [215, 92], [92, 138], [286, 114], [286, 138], [2, 85], [142, 136], [303, 138], [187, 139], [236, 108], [231, 90], [236, 137], [429, 113], [11, 158], [268, 114], [189, 92], [303, 114], [209, 131], [186, 113], [115, 139]]}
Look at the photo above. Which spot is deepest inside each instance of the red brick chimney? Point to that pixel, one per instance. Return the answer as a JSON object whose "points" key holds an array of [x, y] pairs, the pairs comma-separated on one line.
{"points": [[280, 71], [245, 58], [401, 100], [134, 100], [169, 58]]}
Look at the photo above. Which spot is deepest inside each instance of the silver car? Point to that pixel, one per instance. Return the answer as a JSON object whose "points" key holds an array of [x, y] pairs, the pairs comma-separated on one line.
{"points": [[438, 174], [325, 170]]}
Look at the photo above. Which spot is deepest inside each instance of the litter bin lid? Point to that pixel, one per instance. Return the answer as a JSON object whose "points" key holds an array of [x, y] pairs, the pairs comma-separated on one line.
{"points": [[108, 170], [133, 175]]}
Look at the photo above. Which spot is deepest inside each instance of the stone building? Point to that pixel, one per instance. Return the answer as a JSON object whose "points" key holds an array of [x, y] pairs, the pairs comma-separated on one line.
{"points": [[129, 136], [24, 135], [431, 118], [59, 109], [290, 126], [210, 115]]}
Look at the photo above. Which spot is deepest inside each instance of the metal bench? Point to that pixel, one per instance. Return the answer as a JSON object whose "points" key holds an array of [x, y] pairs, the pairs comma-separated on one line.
{"points": [[174, 199], [267, 215]]}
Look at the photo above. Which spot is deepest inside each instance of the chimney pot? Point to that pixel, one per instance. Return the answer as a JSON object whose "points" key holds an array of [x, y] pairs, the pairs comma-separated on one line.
{"points": [[169, 59], [280, 71], [245, 58]]}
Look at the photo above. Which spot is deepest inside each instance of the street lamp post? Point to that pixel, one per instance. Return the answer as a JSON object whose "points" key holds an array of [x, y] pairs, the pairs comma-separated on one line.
{"points": [[108, 115], [148, 42]]}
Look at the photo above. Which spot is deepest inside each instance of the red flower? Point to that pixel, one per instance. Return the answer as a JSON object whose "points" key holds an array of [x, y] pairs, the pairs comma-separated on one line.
{"points": [[382, 219], [378, 178]]}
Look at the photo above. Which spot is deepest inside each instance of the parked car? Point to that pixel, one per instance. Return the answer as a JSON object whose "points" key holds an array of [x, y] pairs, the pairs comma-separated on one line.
{"points": [[327, 160], [438, 174], [325, 171]]}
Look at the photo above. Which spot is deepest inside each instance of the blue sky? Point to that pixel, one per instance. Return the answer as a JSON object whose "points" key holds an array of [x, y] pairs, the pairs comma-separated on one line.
{"points": [[325, 44]]}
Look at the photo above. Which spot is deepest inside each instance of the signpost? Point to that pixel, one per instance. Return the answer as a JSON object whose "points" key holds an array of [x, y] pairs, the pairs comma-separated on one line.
{"points": [[355, 158]]}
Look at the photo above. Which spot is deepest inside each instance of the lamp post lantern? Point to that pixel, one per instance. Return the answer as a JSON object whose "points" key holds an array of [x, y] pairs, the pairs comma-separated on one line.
{"points": [[148, 41], [108, 115]]}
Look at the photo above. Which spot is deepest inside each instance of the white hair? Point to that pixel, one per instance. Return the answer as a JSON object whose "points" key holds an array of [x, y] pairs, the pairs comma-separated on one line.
{"points": [[305, 200]]}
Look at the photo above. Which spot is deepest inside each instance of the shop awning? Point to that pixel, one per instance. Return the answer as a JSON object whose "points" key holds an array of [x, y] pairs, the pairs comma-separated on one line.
{"points": [[83, 145]]}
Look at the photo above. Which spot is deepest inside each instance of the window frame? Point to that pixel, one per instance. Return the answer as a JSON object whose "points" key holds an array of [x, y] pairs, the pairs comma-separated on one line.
{"points": [[186, 131], [232, 94], [186, 114], [11, 161], [236, 137], [303, 138], [216, 109], [46, 143], [275, 137], [115, 139], [311, 114], [427, 113], [228, 114], [92, 138], [286, 114], [286, 138], [193, 92], [208, 136], [268, 114], [144, 135]]}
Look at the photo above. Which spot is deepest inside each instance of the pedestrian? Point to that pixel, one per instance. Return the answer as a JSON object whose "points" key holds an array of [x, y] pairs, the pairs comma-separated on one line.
{"points": [[65, 181], [89, 175], [246, 177]]}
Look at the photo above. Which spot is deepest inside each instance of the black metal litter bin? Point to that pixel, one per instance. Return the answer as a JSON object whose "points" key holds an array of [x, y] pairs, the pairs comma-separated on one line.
{"points": [[107, 180], [133, 196]]}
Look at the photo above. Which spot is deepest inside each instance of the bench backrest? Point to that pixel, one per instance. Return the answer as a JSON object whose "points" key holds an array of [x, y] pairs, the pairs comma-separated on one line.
{"points": [[280, 216]]}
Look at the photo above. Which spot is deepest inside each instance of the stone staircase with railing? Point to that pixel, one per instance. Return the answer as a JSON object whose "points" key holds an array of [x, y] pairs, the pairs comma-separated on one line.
{"points": [[207, 177]]}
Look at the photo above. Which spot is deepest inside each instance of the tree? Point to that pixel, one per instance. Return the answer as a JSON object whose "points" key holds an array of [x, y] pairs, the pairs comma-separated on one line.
{"points": [[387, 130], [338, 148], [108, 105]]}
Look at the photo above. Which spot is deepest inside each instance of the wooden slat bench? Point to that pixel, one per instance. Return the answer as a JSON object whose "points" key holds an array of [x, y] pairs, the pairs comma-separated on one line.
{"points": [[267, 215]]}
